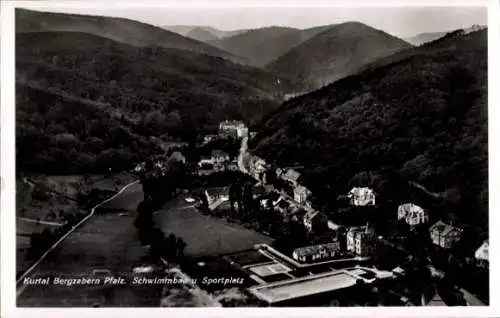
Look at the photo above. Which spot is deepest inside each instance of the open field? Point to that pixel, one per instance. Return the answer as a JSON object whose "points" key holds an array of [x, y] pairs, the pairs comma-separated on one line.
{"points": [[24, 229], [104, 242], [205, 235]]}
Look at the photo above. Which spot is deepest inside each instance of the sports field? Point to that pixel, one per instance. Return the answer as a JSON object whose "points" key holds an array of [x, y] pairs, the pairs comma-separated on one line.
{"points": [[205, 235]]}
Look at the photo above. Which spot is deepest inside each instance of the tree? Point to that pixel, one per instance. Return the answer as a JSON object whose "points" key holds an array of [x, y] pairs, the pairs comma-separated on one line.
{"points": [[181, 245], [158, 244], [171, 246]]}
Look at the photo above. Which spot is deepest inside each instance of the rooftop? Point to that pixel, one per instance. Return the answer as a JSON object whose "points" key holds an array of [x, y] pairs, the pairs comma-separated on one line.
{"points": [[410, 209], [444, 229], [304, 286], [361, 191], [292, 175], [314, 249]]}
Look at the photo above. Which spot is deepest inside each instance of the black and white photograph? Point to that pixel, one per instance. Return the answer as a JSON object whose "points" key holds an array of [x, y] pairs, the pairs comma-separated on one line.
{"points": [[259, 156]]}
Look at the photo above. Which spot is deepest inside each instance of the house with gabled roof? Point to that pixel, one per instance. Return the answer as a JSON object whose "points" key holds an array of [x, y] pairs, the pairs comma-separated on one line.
{"points": [[291, 176], [412, 214], [361, 196], [445, 235], [361, 240], [315, 220], [177, 156], [482, 254], [301, 194]]}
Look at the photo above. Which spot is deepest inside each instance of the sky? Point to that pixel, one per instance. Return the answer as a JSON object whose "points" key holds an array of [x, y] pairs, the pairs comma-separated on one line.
{"points": [[398, 21]]}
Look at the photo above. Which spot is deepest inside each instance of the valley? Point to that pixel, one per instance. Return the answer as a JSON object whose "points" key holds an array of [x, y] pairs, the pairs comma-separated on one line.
{"points": [[288, 165]]}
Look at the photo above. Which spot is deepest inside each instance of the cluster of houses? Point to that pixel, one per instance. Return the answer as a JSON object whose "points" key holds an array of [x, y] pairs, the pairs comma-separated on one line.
{"points": [[218, 161], [297, 205], [233, 128]]}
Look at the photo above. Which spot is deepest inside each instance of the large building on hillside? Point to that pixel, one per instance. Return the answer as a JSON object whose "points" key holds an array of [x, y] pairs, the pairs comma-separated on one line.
{"points": [[361, 197], [445, 235], [233, 128], [316, 253], [257, 168], [301, 194], [361, 241], [412, 214]]}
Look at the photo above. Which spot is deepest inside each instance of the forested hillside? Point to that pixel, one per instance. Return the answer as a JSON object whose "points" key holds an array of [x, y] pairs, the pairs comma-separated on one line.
{"points": [[420, 115], [148, 91], [117, 29], [336, 52], [263, 45]]}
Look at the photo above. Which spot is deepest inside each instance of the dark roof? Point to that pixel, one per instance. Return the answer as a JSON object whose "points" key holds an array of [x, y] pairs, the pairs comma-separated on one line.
{"points": [[314, 249], [444, 228]]}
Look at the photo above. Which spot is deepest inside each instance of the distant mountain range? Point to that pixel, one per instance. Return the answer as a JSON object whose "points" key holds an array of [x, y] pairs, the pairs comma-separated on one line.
{"points": [[263, 45], [202, 35], [419, 114], [335, 52], [422, 38], [186, 29], [117, 29]]}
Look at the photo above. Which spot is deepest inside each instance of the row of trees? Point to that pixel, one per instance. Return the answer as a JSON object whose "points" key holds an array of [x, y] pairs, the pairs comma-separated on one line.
{"points": [[170, 248]]}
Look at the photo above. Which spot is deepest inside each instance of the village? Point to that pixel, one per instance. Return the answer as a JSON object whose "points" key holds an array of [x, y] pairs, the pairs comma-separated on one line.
{"points": [[313, 247]]}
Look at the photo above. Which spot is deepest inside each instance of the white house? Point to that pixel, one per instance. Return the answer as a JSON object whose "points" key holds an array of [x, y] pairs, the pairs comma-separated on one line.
{"points": [[300, 194], [361, 196], [482, 253], [412, 214], [291, 176], [258, 167]]}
